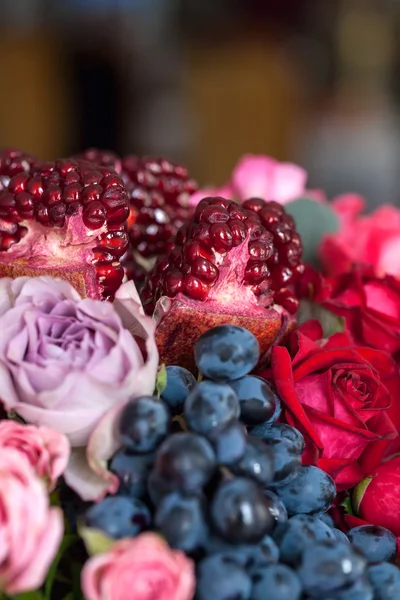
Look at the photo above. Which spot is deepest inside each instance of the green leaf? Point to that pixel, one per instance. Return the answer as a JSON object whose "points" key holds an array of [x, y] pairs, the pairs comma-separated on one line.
{"points": [[96, 541], [161, 382], [36, 595], [358, 493], [330, 322], [348, 508], [313, 221], [67, 542]]}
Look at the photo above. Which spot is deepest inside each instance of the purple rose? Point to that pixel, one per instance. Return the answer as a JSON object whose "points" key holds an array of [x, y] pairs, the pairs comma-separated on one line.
{"points": [[65, 362]]}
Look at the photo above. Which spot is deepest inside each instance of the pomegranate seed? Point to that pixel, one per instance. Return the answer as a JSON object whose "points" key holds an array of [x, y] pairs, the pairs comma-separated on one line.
{"points": [[195, 288], [91, 193], [256, 272], [173, 283], [42, 214], [239, 232], [52, 196], [57, 215], [254, 204], [94, 215], [213, 214], [8, 227], [205, 270], [221, 236], [281, 276]]}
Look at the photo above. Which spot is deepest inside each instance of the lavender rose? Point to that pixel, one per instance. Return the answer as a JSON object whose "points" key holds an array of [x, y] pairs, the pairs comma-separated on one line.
{"points": [[66, 361]]}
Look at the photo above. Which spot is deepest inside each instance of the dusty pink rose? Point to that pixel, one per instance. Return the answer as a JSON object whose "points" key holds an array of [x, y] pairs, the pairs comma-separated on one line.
{"points": [[258, 176], [144, 568], [46, 450], [30, 531], [66, 361], [373, 239]]}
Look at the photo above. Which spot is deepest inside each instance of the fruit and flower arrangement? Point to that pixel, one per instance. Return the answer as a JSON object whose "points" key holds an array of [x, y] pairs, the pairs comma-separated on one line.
{"points": [[200, 388]]}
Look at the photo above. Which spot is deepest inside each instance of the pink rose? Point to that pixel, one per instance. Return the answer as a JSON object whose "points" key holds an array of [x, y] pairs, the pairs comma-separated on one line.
{"points": [[258, 176], [30, 531], [66, 361], [372, 239], [143, 568], [47, 450]]}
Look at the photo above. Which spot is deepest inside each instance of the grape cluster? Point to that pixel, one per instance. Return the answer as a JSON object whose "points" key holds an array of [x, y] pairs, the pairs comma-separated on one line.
{"points": [[209, 467]]}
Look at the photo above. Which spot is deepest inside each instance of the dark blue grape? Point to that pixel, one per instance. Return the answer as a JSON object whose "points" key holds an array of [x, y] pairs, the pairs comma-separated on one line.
{"points": [[229, 442], [119, 516], [278, 432], [256, 463], [359, 590], [257, 399], [275, 582], [385, 581], [185, 461], [247, 555], [376, 543], [240, 511], [341, 536], [293, 536], [310, 492], [210, 404], [277, 508], [158, 488], [328, 567], [226, 352], [181, 521], [326, 519], [180, 382], [132, 471], [143, 424], [220, 577]]}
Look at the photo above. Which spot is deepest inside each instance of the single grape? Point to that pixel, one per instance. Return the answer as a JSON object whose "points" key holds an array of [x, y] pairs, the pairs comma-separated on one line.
{"points": [[247, 555], [158, 488], [240, 511], [220, 577], [185, 461], [119, 516], [275, 582], [385, 581], [341, 536], [326, 519], [277, 508], [228, 441], [143, 424], [359, 590], [327, 567], [257, 399], [226, 352], [278, 432], [181, 521], [257, 462], [180, 382], [293, 536], [210, 404], [376, 543], [310, 492], [132, 471]]}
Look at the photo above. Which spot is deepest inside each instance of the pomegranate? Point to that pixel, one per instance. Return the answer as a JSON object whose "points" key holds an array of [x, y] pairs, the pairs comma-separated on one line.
{"points": [[230, 264], [12, 162], [67, 219], [159, 192]]}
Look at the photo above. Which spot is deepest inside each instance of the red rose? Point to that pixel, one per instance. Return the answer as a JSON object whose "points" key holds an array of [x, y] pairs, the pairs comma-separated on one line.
{"points": [[376, 500], [370, 306], [337, 395], [372, 239]]}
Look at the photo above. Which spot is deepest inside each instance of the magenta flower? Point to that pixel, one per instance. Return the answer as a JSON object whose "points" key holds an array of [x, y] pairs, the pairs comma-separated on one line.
{"points": [[30, 531], [66, 361], [143, 568], [257, 176], [46, 450]]}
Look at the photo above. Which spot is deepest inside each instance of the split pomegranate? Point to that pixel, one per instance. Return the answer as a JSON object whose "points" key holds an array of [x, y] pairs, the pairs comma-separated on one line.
{"points": [[68, 219], [230, 264], [12, 162], [159, 192]]}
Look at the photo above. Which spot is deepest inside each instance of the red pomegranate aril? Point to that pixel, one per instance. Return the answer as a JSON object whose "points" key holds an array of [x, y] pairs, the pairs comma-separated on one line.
{"points": [[110, 276], [35, 186], [221, 236], [254, 204], [8, 227], [57, 215], [52, 196], [260, 251], [205, 270], [290, 254], [94, 215], [6, 241], [42, 214], [256, 272], [195, 288], [91, 193], [72, 193], [116, 242], [17, 183], [269, 217], [214, 215], [100, 256], [239, 232], [281, 276], [287, 299], [8, 206], [173, 283], [282, 232]]}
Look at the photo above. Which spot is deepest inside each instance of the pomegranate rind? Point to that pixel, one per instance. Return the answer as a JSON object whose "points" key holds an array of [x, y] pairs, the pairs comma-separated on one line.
{"points": [[183, 324]]}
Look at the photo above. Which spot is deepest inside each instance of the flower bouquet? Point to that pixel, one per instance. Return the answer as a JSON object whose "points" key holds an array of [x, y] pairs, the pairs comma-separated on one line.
{"points": [[199, 389]]}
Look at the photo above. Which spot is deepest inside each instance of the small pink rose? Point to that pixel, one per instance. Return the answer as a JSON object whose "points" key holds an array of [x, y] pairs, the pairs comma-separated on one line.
{"points": [[30, 531], [46, 450], [143, 568]]}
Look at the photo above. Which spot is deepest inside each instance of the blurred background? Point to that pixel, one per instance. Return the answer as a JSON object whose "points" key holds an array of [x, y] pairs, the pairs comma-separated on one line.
{"points": [[204, 81]]}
